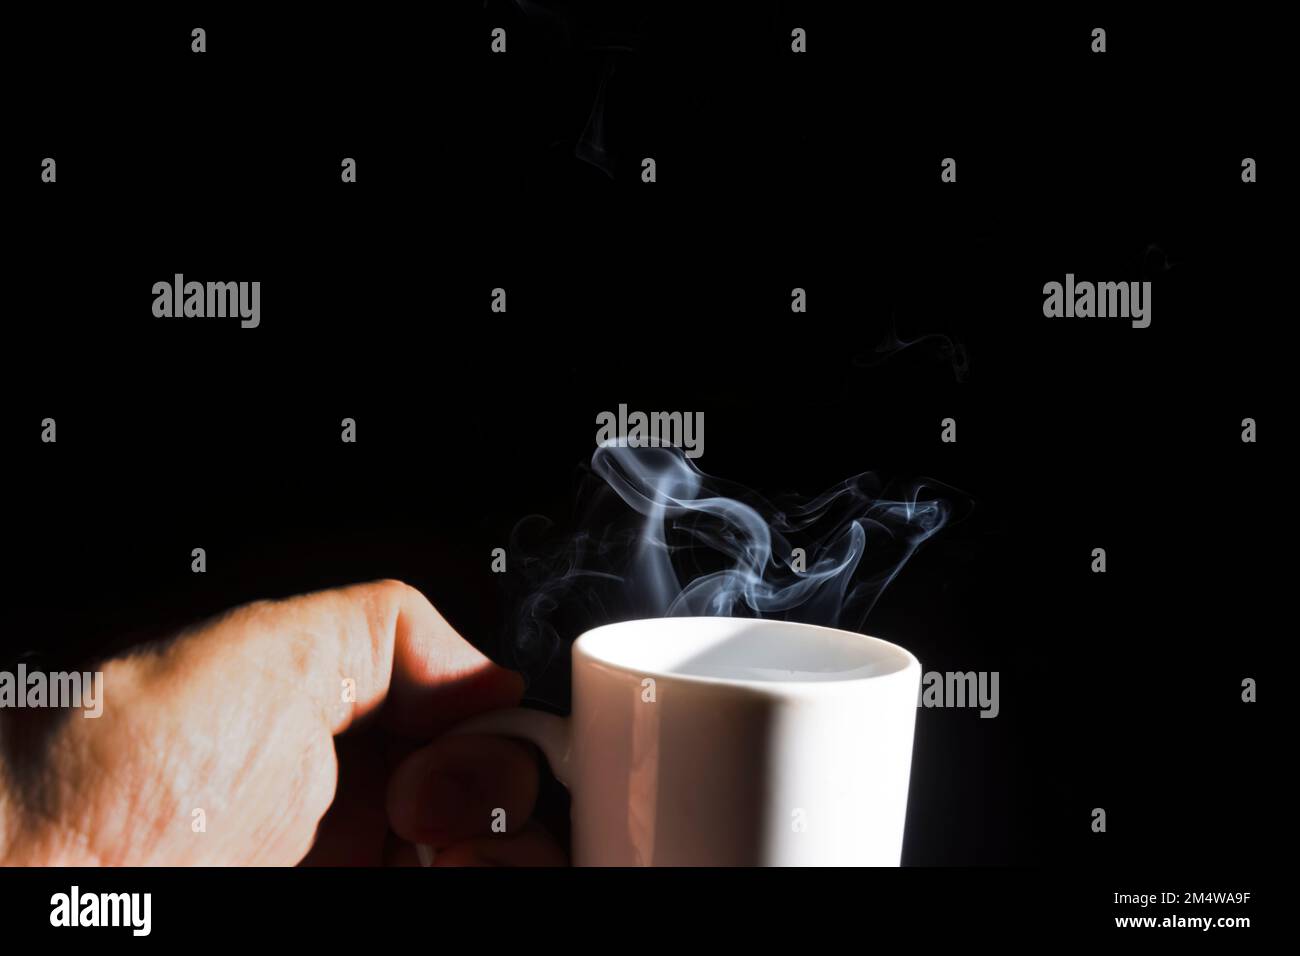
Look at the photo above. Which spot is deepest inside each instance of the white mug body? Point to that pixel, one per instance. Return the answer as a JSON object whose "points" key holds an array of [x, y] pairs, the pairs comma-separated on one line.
{"points": [[715, 741]]}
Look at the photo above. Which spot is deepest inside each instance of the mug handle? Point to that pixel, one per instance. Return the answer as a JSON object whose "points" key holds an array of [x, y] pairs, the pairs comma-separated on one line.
{"points": [[549, 732]]}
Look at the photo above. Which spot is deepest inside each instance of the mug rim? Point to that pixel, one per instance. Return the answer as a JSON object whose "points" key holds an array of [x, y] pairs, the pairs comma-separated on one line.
{"points": [[905, 660]]}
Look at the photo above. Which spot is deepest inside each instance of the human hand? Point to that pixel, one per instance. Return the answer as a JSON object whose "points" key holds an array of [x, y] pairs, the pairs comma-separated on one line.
{"points": [[305, 730]]}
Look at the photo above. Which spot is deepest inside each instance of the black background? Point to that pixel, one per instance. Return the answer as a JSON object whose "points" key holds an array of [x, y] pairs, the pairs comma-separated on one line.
{"points": [[821, 171]]}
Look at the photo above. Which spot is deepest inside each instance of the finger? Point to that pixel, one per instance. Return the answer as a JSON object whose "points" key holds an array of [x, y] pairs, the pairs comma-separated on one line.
{"points": [[460, 786], [398, 852], [533, 846], [358, 649]]}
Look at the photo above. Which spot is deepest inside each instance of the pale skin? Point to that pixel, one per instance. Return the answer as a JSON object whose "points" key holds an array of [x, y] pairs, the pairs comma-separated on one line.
{"points": [[250, 718]]}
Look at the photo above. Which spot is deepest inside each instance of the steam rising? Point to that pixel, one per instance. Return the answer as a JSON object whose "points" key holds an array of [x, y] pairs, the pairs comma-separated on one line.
{"points": [[695, 545], [931, 345]]}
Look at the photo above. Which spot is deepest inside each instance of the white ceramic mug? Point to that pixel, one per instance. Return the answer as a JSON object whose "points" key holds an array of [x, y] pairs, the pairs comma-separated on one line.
{"points": [[712, 741]]}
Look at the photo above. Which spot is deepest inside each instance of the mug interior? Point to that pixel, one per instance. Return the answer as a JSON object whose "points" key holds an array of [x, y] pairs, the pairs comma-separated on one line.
{"points": [[741, 649]]}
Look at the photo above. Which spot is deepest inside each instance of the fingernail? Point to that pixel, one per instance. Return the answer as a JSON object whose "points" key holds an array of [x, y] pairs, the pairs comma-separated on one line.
{"points": [[426, 853]]}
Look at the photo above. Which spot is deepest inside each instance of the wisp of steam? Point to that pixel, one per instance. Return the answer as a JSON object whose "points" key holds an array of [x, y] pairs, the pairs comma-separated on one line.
{"points": [[683, 543]]}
